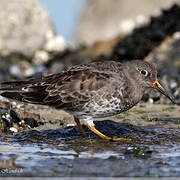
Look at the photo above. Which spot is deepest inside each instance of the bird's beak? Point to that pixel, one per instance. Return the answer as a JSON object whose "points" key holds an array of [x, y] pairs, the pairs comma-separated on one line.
{"points": [[157, 85]]}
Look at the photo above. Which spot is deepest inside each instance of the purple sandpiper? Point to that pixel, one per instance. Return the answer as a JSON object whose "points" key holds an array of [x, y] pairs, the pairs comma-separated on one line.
{"points": [[94, 90]]}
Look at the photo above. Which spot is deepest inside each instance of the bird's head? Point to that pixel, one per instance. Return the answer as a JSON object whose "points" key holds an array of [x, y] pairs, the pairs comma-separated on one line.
{"points": [[145, 76]]}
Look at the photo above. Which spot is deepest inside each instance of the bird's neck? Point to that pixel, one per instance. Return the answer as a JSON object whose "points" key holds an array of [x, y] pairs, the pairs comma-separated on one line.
{"points": [[137, 90]]}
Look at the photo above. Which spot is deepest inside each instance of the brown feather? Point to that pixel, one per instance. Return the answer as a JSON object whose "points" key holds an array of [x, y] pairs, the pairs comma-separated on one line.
{"points": [[61, 90]]}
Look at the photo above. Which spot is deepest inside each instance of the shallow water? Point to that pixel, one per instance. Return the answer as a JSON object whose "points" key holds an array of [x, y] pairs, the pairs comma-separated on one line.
{"points": [[153, 151]]}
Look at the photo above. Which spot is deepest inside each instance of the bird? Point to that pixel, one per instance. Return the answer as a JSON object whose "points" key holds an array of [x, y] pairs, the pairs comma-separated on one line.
{"points": [[90, 91]]}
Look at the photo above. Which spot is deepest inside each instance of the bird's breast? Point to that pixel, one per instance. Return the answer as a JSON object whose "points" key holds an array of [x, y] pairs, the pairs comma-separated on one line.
{"points": [[108, 105]]}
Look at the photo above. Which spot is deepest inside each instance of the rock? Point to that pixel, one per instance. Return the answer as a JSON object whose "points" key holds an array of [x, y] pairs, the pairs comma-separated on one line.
{"points": [[31, 122], [145, 39], [27, 39], [166, 57], [24, 26], [55, 43], [15, 116], [105, 20]]}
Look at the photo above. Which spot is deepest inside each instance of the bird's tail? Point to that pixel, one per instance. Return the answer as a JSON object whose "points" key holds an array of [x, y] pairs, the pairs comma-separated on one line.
{"points": [[12, 85], [25, 91]]}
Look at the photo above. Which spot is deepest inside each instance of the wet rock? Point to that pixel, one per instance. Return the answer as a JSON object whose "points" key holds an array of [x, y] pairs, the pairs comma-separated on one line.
{"points": [[109, 128], [31, 122], [11, 122], [142, 152], [45, 116], [7, 118], [165, 120], [4, 125], [15, 116]]}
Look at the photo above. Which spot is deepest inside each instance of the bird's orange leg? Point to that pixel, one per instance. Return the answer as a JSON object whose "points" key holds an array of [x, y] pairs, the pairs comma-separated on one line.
{"points": [[80, 126], [92, 128]]}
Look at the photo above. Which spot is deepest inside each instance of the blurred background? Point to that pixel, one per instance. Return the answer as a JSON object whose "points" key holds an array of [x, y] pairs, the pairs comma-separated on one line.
{"points": [[81, 22], [65, 15], [87, 21]]}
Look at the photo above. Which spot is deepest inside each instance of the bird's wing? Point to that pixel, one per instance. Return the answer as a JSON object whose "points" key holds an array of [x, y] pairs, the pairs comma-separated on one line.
{"points": [[76, 88], [61, 90]]}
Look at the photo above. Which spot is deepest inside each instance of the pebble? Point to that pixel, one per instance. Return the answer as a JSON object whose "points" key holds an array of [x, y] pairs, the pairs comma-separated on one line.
{"points": [[15, 117], [56, 43], [69, 125], [15, 70], [150, 101], [41, 57], [173, 84], [31, 122], [13, 129]]}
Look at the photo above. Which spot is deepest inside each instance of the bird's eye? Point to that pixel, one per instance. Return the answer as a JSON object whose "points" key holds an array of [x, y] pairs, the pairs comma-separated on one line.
{"points": [[144, 72]]}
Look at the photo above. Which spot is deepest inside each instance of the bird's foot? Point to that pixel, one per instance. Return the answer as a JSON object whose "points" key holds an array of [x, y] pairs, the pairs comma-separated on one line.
{"points": [[92, 128]]}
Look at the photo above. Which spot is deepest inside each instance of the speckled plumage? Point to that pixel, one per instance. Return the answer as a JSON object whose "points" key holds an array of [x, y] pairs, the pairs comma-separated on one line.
{"points": [[94, 90]]}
